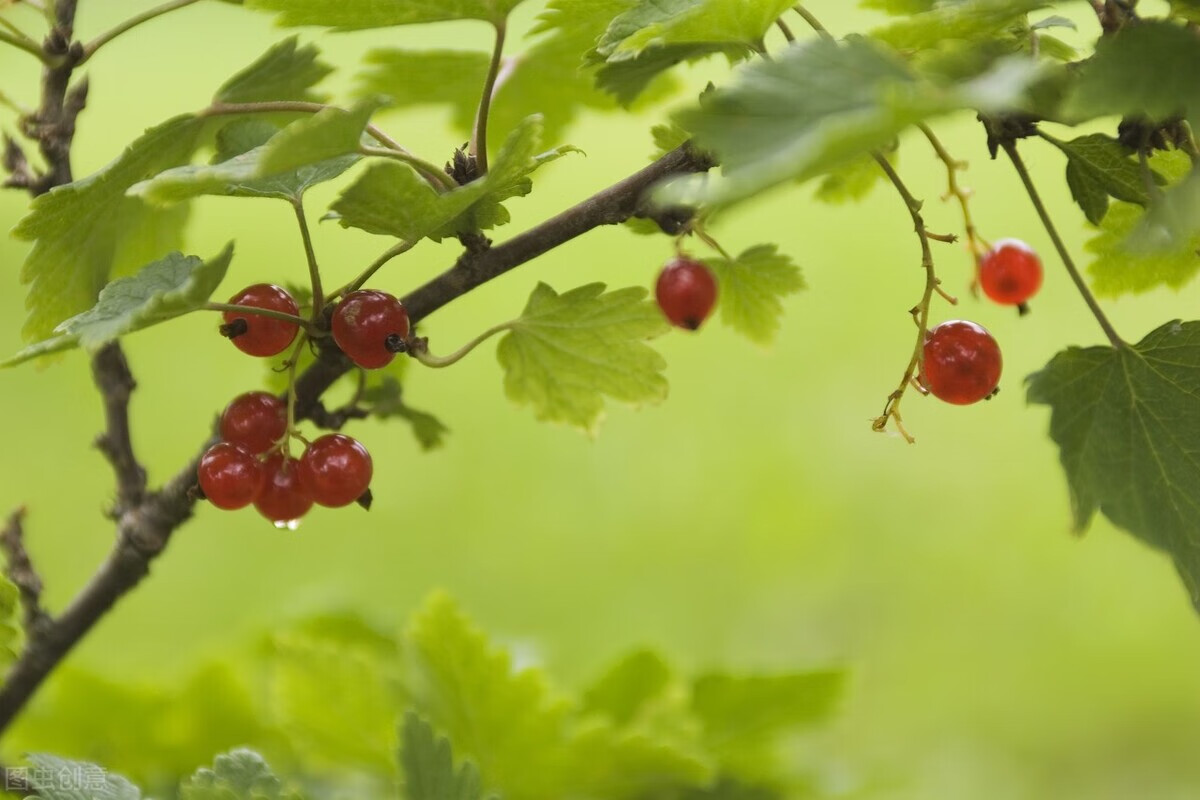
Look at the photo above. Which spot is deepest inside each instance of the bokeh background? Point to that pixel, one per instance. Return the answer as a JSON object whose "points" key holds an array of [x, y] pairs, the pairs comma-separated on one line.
{"points": [[753, 521]]}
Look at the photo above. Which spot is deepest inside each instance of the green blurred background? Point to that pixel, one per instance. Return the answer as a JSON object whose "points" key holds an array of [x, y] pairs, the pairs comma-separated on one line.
{"points": [[753, 521]]}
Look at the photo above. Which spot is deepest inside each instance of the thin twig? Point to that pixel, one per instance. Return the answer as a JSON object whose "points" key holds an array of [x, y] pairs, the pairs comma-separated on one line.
{"points": [[23, 42], [478, 148], [91, 47], [954, 189], [20, 570], [1010, 148], [392, 252], [314, 271]]}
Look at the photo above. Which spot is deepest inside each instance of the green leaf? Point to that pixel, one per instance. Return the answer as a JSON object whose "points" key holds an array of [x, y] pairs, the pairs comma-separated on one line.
{"points": [[428, 764], [567, 352], [971, 21], [409, 78], [853, 180], [350, 16], [751, 289], [667, 137], [817, 106], [392, 200], [84, 232], [1121, 418], [504, 719], [10, 626], [386, 401], [655, 35], [1099, 167], [161, 291], [1125, 262], [1187, 9], [1146, 69], [285, 72], [899, 7], [238, 775], [328, 134], [631, 683], [634, 765], [1172, 224], [57, 778]]}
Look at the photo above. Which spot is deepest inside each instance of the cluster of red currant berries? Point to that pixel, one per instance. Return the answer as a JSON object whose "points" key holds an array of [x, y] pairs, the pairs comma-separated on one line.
{"points": [[252, 462], [962, 361]]}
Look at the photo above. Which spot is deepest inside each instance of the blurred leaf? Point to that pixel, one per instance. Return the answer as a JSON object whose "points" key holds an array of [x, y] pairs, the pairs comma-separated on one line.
{"points": [[854, 179], [1099, 167], [1188, 9], [428, 766], [1055, 21], [1146, 69], [392, 200], [161, 291], [667, 137], [78, 229], [751, 288], [386, 401], [1119, 267], [349, 16], [972, 20], [568, 351], [408, 78], [503, 719], [900, 7], [57, 778], [634, 765], [1122, 419], [627, 686], [816, 106], [238, 775], [10, 625], [655, 35], [329, 134], [285, 72], [1172, 223]]}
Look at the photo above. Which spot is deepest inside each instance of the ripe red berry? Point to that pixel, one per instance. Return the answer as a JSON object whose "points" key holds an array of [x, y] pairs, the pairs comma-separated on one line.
{"points": [[962, 362], [686, 292], [230, 477], [254, 421], [1010, 273], [336, 470], [283, 499], [255, 334], [370, 327]]}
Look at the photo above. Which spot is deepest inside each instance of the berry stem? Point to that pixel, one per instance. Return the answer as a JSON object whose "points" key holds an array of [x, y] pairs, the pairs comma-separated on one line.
{"points": [[304, 324], [813, 22], [314, 271], [478, 147], [1010, 148], [395, 250], [954, 189], [293, 360], [436, 178], [421, 351], [711, 242]]}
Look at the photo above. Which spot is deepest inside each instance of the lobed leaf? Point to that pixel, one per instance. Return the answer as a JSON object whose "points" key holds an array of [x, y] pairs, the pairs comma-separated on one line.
{"points": [[286, 71], [329, 134], [1122, 419], [238, 775], [1098, 167], [568, 352], [428, 766], [751, 288]]}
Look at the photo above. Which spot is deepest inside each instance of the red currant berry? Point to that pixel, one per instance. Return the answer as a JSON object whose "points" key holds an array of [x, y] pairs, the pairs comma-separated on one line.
{"points": [[1010, 273], [686, 292], [230, 477], [962, 362], [336, 470], [370, 327], [255, 334], [254, 421], [283, 499]]}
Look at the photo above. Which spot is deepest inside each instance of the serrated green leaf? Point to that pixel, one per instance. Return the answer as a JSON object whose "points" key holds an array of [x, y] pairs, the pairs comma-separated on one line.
{"points": [[634, 765], [1172, 223], [238, 775], [428, 765], [242, 136], [505, 720], [351, 16], [285, 72], [1146, 69], [655, 35], [567, 352], [385, 399], [667, 137], [621, 692], [452, 78], [817, 106], [1121, 418], [57, 778], [751, 288], [328, 134], [1125, 263], [392, 200], [1098, 165], [81, 230], [972, 21], [853, 180], [161, 291]]}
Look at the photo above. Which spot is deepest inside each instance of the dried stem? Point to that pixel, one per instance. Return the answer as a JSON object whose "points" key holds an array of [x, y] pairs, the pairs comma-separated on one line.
{"points": [[954, 189], [20, 570]]}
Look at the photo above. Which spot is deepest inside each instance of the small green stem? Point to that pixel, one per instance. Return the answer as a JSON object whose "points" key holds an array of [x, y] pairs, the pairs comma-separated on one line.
{"points": [[91, 47], [283, 316], [437, 362], [1010, 148], [478, 147], [787, 32], [314, 271], [711, 242], [23, 42], [285, 445], [423, 167], [376, 265], [813, 22]]}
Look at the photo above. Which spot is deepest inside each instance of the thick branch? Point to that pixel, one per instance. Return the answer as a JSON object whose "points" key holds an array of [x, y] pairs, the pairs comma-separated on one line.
{"points": [[110, 371]]}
